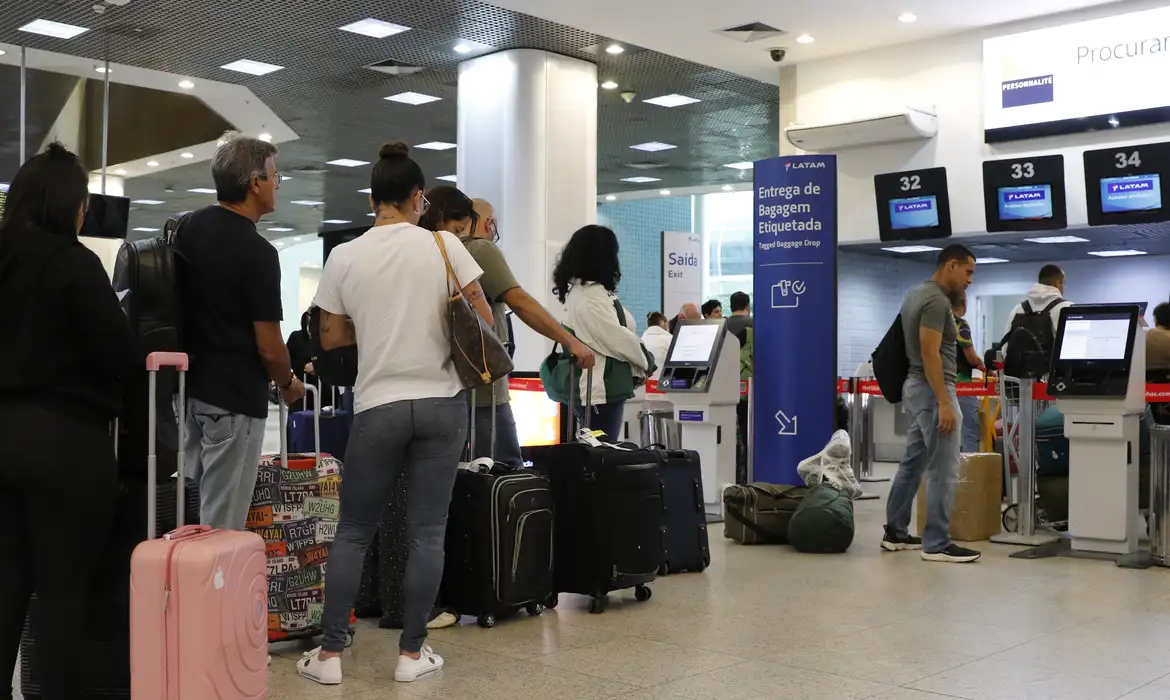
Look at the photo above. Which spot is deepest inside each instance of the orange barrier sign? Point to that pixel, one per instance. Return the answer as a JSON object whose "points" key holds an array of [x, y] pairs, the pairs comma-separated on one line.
{"points": [[1155, 393]]}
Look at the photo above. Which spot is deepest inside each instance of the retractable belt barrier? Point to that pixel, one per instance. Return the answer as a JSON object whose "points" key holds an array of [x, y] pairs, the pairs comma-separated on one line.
{"points": [[1155, 393]]}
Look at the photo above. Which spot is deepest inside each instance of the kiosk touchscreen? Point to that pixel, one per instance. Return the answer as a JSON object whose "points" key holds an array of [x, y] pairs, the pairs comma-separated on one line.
{"points": [[1098, 377], [701, 378]]}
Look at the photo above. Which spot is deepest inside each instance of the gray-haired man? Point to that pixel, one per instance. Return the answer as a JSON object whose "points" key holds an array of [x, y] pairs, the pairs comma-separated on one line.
{"points": [[231, 322]]}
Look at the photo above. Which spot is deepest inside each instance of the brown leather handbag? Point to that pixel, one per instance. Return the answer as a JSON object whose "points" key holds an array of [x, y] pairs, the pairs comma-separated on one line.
{"points": [[479, 355]]}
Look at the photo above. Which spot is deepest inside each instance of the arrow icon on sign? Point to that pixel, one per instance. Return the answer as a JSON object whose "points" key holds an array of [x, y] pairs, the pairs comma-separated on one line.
{"points": [[787, 425]]}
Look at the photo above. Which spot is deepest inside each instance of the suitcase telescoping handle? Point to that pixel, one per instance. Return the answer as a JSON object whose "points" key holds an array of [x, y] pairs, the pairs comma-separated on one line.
{"points": [[492, 434], [572, 402], [309, 389], [154, 362]]}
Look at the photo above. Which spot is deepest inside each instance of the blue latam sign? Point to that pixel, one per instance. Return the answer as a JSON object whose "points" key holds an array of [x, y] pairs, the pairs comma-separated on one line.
{"points": [[795, 266], [1028, 91]]}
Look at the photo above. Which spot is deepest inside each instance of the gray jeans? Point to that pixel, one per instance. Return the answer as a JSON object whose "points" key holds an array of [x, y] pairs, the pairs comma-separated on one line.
{"points": [[927, 451], [223, 454], [422, 439]]}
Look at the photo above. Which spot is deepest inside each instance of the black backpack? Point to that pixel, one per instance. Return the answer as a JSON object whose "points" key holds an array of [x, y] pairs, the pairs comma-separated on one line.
{"points": [[336, 367], [891, 364], [146, 279], [1030, 342]]}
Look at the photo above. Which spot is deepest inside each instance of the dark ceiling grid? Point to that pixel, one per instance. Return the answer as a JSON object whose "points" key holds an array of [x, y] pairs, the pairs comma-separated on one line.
{"points": [[328, 96]]}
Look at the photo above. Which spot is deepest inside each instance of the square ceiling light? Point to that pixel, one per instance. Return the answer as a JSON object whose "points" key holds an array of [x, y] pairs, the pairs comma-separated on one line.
{"points": [[202, 190], [448, 178], [348, 162], [1116, 253], [250, 67], [745, 165], [989, 261], [672, 100], [337, 221], [148, 201], [907, 249], [145, 229], [366, 190], [413, 98], [375, 28], [436, 146], [280, 229], [57, 30], [639, 179], [307, 203], [1052, 240], [653, 146]]}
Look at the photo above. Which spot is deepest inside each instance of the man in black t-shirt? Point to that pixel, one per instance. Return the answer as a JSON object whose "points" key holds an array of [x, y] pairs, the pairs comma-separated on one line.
{"points": [[231, 314]]}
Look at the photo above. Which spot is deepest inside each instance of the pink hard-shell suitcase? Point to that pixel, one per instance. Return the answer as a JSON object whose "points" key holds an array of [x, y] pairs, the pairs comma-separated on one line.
{"points": [[198, 597]]}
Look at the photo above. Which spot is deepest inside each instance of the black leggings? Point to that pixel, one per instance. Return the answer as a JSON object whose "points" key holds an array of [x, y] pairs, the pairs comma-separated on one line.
{"points": [[58, 487]]}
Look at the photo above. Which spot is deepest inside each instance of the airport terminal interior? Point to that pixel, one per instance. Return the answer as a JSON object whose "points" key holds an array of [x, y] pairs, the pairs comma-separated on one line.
{"points": [[817, 156]]}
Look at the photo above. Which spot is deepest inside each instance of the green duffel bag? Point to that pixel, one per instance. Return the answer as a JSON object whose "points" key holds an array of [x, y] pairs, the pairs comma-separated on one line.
{"points": [[759, 513], [823, 523]]}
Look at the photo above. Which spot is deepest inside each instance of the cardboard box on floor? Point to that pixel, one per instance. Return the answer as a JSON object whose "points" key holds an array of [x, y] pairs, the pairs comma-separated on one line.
{"points": [[976, 514]]}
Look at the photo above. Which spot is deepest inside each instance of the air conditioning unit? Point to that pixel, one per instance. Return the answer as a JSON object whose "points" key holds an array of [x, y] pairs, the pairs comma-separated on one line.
{"points": [[909, 125]]}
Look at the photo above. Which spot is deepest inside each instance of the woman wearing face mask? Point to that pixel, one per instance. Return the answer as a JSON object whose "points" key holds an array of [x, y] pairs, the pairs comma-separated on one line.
{"points": [[388, 290], [62, 364], [450, 211]]}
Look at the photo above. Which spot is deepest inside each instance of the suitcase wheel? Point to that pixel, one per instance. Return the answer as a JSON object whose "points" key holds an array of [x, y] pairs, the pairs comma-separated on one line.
{"points": [[664, 570], [535, 609], [487, 621], [642, 593], [553, 600], [349, 637], [597, 605]]}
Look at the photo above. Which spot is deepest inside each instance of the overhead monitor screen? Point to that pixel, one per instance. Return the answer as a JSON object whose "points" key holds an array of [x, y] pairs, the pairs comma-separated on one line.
{"points": [[695, 343], [914, 212], [1131, 193], [1026, 203], [1095, 337]]}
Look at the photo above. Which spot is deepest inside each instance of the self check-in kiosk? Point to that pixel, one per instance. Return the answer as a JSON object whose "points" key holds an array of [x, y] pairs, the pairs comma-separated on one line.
{"points": [[1098, 378], [701, 376]]}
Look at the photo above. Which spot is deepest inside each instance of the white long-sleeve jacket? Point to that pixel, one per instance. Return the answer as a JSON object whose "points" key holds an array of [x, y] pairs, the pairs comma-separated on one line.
{"points": [[593, 317]]}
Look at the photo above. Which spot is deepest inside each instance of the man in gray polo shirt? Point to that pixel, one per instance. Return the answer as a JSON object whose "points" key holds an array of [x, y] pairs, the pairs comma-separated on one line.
{"points": [[929, 399]]}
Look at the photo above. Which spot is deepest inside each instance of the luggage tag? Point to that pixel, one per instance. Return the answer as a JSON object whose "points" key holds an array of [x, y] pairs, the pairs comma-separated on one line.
{"points": [[589, 437], [482, 465]]}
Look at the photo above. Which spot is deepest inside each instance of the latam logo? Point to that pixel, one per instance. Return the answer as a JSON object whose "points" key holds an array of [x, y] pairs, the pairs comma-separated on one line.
{"points": [[1027, 91], [807, 165], [1031, 196], [901, 207], [1135, 186]]}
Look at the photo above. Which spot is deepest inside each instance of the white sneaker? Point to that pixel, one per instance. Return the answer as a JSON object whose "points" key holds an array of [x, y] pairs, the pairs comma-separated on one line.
{"points": [[444, 619], [410, 669], [327, 672]]}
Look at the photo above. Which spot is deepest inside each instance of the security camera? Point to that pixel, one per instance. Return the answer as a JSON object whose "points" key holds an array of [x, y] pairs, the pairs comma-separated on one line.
{"points": [[778, 54]]}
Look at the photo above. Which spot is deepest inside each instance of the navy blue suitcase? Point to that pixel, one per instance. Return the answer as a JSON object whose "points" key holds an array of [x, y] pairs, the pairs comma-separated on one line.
{"points": [[684, 520]]}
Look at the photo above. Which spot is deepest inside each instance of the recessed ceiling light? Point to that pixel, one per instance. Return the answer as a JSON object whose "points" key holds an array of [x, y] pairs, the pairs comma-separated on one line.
{"points": [[297, 239], [348, 162], [145, 229], [148, 201], [436, 146], [990, 261], [367, 190], [745, 165], [265, 137], [728, 188], [639, 179], [186, 155], [805, 39], [664, 192], [202, 190], [448, 178], [371, 214], [307, 203], [615, 49], [337, 221], [2, 52], [285, 177], [250, 67], [609, 85], [374, 27], [912, 249], [413, 98], [1116, 253], [279, 229], [186, 84], [57, 30], [101, 69], [907, 17], [653, 146], [152, 163], [119, 171], [610, 198], [461, 48], [1058, 239], [671, 100]]}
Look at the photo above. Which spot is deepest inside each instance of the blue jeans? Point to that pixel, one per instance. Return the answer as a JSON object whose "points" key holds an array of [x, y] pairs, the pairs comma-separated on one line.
{"points": [[927, 451], [607, 417], [223, 454], [507, 439], [421, 439], [970, 406]]}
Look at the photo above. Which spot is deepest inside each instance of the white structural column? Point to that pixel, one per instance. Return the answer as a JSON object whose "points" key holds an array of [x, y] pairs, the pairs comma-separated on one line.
{"points": [[528, 144]]}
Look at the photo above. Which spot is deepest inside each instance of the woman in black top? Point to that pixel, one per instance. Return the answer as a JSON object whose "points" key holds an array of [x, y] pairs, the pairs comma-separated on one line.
{"points": [[300, 354], [62, 363]]}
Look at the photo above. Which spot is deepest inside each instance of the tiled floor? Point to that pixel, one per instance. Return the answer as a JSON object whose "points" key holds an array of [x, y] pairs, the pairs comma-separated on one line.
{"points": [[766, 622]]}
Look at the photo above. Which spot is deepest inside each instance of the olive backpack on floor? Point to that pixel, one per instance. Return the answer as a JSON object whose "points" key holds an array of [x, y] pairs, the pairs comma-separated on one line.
{"points": [[758, 513], [823, 523]]}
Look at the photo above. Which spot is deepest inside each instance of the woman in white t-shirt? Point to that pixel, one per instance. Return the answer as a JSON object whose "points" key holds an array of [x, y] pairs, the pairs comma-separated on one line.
{"points": [[388, 290]]}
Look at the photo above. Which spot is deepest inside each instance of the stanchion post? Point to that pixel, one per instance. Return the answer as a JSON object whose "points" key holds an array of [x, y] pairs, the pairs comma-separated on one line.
{"points": [[1159, 494], [751, 431], [1026, 465], [856, 429]]}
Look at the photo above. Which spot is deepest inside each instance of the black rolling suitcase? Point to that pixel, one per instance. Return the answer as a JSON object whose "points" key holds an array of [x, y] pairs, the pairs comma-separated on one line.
{"points": [[608, 530], [499, 540], [685, 519]]}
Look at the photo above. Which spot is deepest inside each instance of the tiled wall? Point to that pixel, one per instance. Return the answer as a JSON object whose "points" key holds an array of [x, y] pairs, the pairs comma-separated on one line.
{"points": [[870, 290], [639, 225]]}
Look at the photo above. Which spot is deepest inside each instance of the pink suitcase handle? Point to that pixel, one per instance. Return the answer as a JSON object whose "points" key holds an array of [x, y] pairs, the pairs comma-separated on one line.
{"points": [[154, 362], [187, 531]]}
